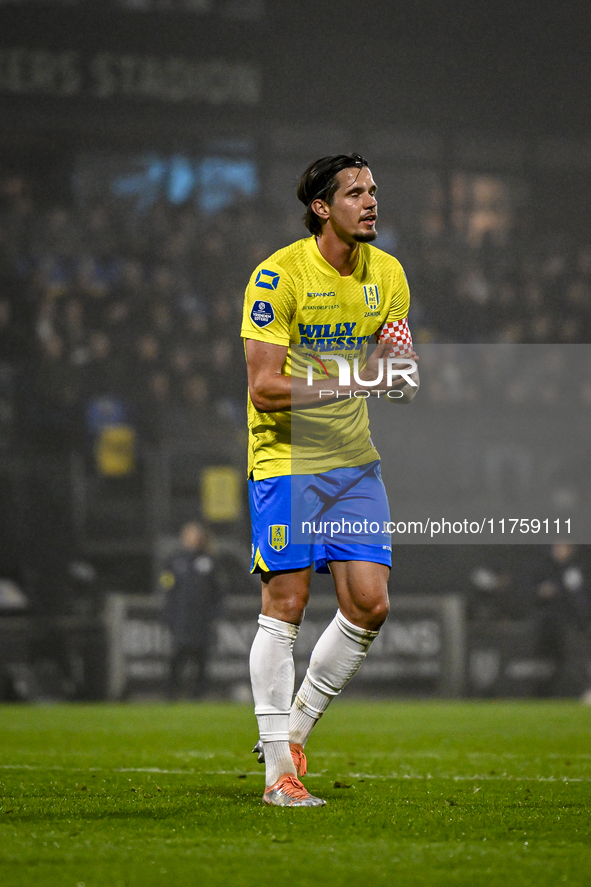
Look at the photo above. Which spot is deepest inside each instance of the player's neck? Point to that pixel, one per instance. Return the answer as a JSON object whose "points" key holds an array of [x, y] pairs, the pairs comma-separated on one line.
{"points": [[342, 256]]}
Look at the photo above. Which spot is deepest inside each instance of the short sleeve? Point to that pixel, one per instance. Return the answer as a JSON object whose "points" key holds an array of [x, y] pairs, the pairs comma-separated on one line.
{"points": [[400, 295], [269, 305]]}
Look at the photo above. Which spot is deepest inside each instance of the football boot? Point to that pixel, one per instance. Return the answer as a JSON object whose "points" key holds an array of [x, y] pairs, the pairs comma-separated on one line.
{"points": [[288, 791]]}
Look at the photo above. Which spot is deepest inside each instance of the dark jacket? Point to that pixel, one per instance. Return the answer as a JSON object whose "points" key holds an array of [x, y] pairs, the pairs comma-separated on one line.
{"points": [[192, 597]]}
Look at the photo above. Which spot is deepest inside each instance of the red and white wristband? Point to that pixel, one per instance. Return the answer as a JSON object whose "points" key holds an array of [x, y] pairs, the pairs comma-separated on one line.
{"points": [[397, 332]]}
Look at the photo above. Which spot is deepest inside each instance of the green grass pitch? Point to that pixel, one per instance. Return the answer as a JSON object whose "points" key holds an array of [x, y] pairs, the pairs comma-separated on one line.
{"points": [[418, 793]]}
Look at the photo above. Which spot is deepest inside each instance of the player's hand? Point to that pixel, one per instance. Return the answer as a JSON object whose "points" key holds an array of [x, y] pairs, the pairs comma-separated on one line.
{"points": [[381, 353], [377, 356], [408, 355]]}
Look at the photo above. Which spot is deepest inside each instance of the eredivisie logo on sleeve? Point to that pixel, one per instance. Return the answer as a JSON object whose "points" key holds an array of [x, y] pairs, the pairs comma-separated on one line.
{"points": [[262, 314]]}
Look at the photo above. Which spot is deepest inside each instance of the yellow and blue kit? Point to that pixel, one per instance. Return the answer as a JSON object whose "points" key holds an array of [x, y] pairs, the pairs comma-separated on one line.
{"points": [[304, 519], [297, 299]]}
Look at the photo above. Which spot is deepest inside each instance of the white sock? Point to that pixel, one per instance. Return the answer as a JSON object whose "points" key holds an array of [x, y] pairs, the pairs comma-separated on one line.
{"points": [[337, 656], [272, 676]]}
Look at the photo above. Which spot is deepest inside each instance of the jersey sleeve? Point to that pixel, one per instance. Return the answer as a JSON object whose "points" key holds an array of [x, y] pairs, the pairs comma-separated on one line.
{"points": [[395, 328], [269, 305]]}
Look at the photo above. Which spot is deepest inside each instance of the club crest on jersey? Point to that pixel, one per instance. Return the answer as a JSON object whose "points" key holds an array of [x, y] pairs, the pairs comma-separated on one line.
{"points": [[372, 296], [268, 280], [262, 314], [278, 536]]}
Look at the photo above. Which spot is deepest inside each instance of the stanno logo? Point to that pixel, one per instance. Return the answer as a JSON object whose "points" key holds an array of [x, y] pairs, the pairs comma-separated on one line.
{"points": [[268, 280], [320, 295]]}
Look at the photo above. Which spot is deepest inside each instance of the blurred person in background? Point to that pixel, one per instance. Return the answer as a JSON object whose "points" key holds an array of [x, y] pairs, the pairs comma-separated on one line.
{"points": [[563, 610], [191, 593]]}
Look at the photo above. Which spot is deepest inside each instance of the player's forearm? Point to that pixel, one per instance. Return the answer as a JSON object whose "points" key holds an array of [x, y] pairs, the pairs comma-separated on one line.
{"points": [[286, 392]]}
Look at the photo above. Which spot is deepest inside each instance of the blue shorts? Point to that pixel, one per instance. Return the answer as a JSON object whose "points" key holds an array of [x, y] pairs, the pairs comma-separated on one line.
{"points": [[304, 519]]}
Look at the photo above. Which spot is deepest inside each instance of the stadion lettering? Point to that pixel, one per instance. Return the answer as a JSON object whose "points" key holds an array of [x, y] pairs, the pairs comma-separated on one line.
{"points": [[110, 75]]}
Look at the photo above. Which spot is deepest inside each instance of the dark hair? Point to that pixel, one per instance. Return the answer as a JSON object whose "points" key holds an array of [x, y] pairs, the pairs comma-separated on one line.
{"points": [[320, 181]]}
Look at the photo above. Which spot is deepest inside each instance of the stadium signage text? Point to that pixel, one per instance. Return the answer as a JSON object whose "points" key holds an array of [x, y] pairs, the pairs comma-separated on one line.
{"points": [[107, 75]]}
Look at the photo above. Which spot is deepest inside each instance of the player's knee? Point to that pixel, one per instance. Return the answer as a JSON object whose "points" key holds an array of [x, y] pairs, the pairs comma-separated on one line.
{"points": [[295, 603], [378, 613], [288, 606], [371, 613]]}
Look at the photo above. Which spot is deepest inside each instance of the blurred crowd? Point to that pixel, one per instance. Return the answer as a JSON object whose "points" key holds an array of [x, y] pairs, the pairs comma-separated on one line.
{"points": [[526, 290], [136, 310]]}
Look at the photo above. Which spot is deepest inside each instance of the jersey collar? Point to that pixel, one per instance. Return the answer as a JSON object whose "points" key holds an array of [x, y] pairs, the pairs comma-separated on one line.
{"points": [[326, 268]]}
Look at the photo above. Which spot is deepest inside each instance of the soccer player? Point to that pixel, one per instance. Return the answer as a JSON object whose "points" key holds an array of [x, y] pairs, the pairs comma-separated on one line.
{"points": [[316, 493]]}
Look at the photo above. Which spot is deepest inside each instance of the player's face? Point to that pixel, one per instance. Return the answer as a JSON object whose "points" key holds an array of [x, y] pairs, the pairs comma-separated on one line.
{"points": [[354, 209]]}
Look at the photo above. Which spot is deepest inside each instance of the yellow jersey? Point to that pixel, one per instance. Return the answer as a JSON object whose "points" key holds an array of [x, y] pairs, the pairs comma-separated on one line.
{"points": [[296, 298]]}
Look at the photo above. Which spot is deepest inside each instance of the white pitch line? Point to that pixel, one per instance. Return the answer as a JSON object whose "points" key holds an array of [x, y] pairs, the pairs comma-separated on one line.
{"points": [[151, 770], [458, 778], [365, 776], [37, 767]]}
